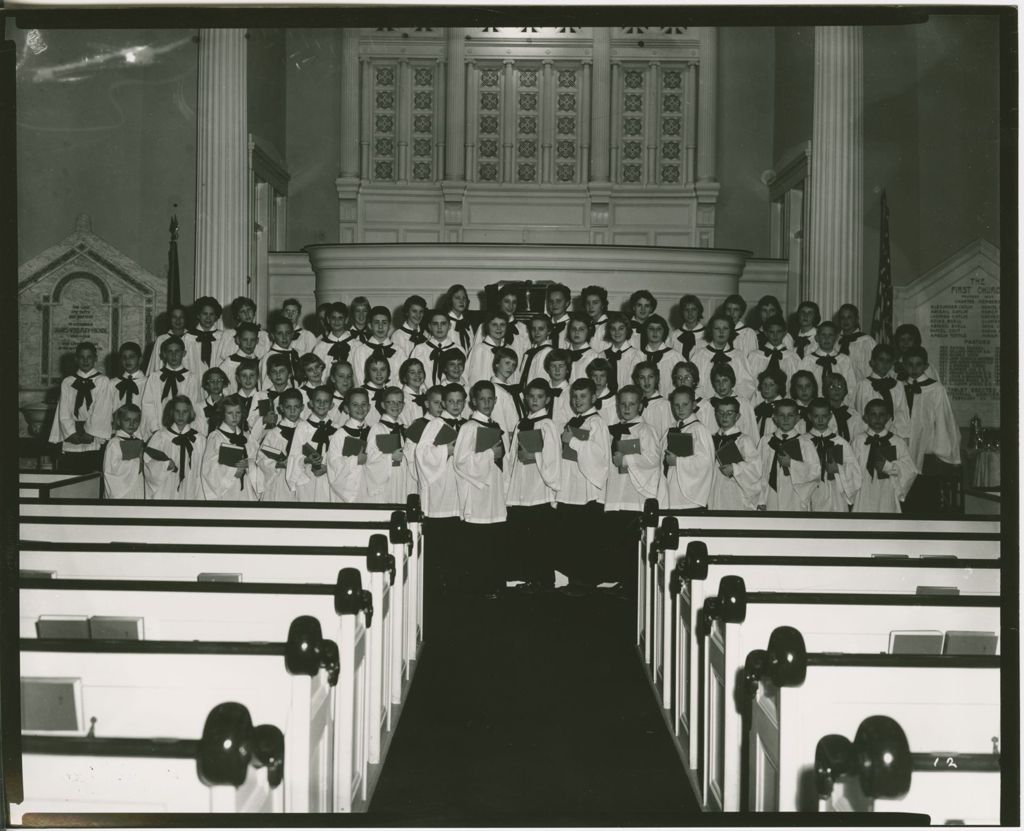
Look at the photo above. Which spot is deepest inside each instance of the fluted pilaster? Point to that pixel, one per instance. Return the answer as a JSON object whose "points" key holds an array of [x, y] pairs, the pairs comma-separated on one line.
{"points": [[707, 104], [600, 130], [222, 188], [349, 103], [455, 112], [835, 260]]}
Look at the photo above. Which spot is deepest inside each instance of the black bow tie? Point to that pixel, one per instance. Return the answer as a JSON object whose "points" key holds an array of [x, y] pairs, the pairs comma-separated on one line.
{"points": [[613, 356], [826, 362], [846, 340], [436, 351], [394, 427], [511, 330], [385, 349], [340, 349], [83, 391], [774, 356], [171, 379], [617, 431], [185, 441], [823, 444], [763, 412], [356, 432], [914, 388], [884, 387], [289, 434], [293, 357], [416, 337], [461, 328], [206, 340], [296, 334], [210, 411], [688, 339], [531, 353], [721, 440], [775, 443], [842, 417], [601, 400], [576, 354], [127, 389], [273, 395], [530, 423], [246, 409], [322, 434], [577, 421], [800, 343], [454, 423], [237, 439], [655, 357], [876, 456], [719, 357]]}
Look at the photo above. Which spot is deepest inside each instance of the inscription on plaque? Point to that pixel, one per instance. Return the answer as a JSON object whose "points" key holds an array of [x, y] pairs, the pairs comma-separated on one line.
{"points": [[82, 312]]}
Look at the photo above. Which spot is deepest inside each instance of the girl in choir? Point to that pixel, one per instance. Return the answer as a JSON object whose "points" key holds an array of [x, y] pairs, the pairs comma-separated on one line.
{"points": [[453, 365], [247, 377], [346, 455], [853, 342], [174, 378], [410, 333], [281, 344], [479, 461], [774, 354], [741, 336], [846, 423], [594, 300], [243, 311], [312, 369], [177, 320], [336, 343], [691, 329], [322, 310], [264, 402], [655, 409], [385, 474], [412, 376], [657, 351], [887, 471], [378, 378], [430, 351], [579, 332], [174, 454], [245, 340], [129, 385], [641, 306], [686, 374], [907, 335], [803, 389], [827, 360], [341, 381], [558, 303], [556, 365], [228, 459], [767, 308], [303, 340], [771, 384], [480, 361], [378, 344], [619, 352], [306, 471], [359, 316], [214, 384], [723, 383], [515, 333], [720, 349], [272, 458], [540, 346], [204, 342], [598, 371], [840, 474], [456, 301], [508, 403], [122, 458], [736, 471], [789, 463], [882, 383], [687, 475], [534, 477], [808, 316]]}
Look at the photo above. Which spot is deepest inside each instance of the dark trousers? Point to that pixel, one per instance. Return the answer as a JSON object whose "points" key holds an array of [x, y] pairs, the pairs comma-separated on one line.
{"points": [[530, 545], [480, 557], [88, 462], [621, 547], [440, 536], [579, 542]]}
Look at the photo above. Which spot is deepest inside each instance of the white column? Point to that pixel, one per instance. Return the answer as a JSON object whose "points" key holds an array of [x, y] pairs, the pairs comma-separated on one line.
{"points": [[222, 186], [707, 107], [349, 103], [835, 260], [600, 131], [455, 116]]}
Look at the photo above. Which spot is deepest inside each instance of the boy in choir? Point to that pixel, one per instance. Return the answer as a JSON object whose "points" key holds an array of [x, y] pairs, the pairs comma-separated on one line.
{"points": [[272, 458], [246, 340], [479, 460], [173, 379], [306, 470], [204, 342], [853, 342], [691, 329], [173, 456], [336, 343], [508, 402], [480, 361], [378, 378], [840, 476], [907, 335], [658, 352], [599, 371], [594, 302], [385, 474], [634, 476], [412, 377], [845, 423], [177, 318], [246, 378], [265, 400], [803, 389], [433, 408], [558, 303], [934, 434], [586, 456], [808, 316], [540, 346], [789, 463], [433, 348], [556, 365], [410, 333], [619, 352], [303, 340], [281, 344], [578, 334], [534, 471], [736, 472], [641, 306], [742, 337], [882, 383], [128, 386], [686, 374], [721, 350], [214, 384], [687, 461], [516, 337], [887, 470], [377, 344], [767, 308], [359, 316], [342, 379], [122, 458], [347, 454], [453, 368], [774, 354], [656, 410], [827, 360], [228, 465], [723, 384], [243, 311], [456, 300], [771, 385]]}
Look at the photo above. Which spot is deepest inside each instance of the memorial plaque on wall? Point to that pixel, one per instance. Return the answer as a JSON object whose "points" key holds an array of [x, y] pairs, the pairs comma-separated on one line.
{"points": [[956, 307]]}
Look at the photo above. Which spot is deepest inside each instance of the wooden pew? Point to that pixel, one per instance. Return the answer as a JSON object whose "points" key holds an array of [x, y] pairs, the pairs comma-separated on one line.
{"points": [[253, 612], [129, 688], [942, 758], [698, 574], [232, 767], [737, 621], [37, 485]]}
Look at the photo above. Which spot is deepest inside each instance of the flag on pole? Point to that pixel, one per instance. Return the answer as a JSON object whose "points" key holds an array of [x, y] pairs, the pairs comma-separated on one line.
{"points": [[881, 323], [173, 274]]}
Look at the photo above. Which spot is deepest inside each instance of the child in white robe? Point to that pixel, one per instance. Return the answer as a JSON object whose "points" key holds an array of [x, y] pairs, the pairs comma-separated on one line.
{"points": [[173, 378], [619, 352], [808, 316], [337, 343], [410, 334], [412, 376], [342, 380], [346, 456], [281, 344], [303, 341], [655, 409], [887, 470], [723, 384], [686, 374], [803, 389], [838, 482], [204, 343], [845, 422], [214, 384], [532, 365], [480, 361], [174, 455], [272, 458], [307, 467], [122, 474], [735, 485], [774, 354], [882, 383], [385, 474], [377, 345], [130, 384], [246, 378], [235, 482], [430, 352], [659, 352], [264, 414], [508, 402], [433, 408], [556, 365], [243, 312], [787, 481], [177, 319], [247, 341], [84, 419], [599, 371], [720, 351], [853, 342], [594, 302], [771, 384], [691, 330], [578, 333], [826, 360], [688, 478]]}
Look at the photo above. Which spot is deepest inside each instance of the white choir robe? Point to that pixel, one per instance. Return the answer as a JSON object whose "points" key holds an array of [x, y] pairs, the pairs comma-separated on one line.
{"points": [[274, 484], [883, 496], [412, 474], [219, 481], [842, 367], [859, 351], [480, 362], [605, 406], [560, 339], [506, 407], [202, 422], [584, 480], [422, 353], [264, 381], [598, 342], [746, 384], [679, 341], [666, 359], [630, 356], [338, 414], [741, 492], [768, 427], [933, 427], [561, 405], [303, 341], [688, 482], [308, 486], [520, 337], [478, 480], [254, 428], [580, 364], [856, 425], [757, 361], [156, 362], [410, 409], [628, 491], [153, 400], [325, 343], [436, 472], [811, 346], [794, 491], [345, 474], [362, 351], [257, 423], [744, 340], [98, 417], [537, 482], [194, 349], [161, 481], [836, 495], [534, 355], [117, 400], [229, 366], [635, 338], [384, 481], [900, 421], [227, 345], [465, 339], [307, 394], [373, 414], [122, 479], [407, 338], [657, 412], [746, 423]]}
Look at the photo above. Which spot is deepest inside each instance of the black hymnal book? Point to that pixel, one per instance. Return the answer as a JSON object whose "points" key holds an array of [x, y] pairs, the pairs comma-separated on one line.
{"points": [[414, 432], [729, 454], [229, 455], [352, 446], [791, 447], [486, 439], [158, 455], [131, 449], [680, 444], [446, 435]]}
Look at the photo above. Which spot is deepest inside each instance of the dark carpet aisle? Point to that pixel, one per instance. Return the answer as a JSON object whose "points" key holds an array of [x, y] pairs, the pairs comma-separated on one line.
{"points": [[533, 710]]}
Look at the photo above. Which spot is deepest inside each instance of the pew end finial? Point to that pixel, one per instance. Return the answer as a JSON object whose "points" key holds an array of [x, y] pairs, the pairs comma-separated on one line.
{"points": [[231, 744], [650, 516], [379, 557], [879, 757], [350, 597], [307, 651]]}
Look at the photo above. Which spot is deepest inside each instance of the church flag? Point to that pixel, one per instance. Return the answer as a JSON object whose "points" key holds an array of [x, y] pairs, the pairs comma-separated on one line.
{"points": [[881, 323], [173, 274]]}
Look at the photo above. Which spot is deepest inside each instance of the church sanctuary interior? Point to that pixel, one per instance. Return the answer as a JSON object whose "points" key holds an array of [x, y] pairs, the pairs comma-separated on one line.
{"points": [[501, 425]]}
